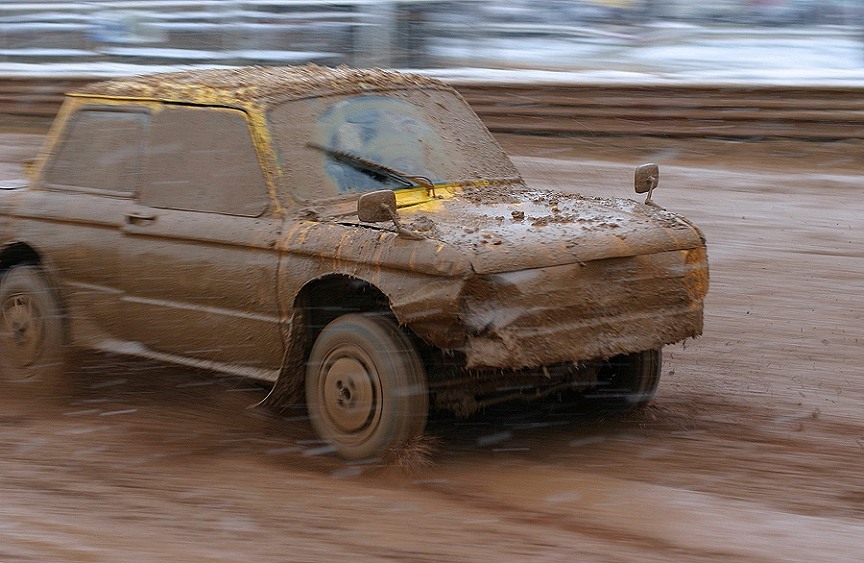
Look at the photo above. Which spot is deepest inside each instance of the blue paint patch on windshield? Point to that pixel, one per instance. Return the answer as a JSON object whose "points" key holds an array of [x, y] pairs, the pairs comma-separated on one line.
{"points": [[384, 130]]}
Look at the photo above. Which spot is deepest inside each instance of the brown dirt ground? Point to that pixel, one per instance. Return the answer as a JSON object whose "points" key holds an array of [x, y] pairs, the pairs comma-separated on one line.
{"points": [[752, 449]]}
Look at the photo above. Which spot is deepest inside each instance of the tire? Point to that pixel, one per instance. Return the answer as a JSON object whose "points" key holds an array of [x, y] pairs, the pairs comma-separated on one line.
{"points": [[32, 344], [630, 380], [366, 388]]}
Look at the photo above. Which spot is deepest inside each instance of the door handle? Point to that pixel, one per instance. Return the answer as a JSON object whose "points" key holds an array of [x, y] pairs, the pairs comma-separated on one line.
{"points": [[132, 217]]}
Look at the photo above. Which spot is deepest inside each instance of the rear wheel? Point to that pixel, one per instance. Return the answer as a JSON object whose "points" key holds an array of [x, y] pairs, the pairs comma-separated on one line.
{"points": [[366, 388], [32, 351], [630, 380]]}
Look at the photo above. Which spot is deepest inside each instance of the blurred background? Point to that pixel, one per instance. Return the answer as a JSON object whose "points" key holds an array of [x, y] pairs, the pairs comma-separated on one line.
{"points": [[754, 446], [821, 39]]}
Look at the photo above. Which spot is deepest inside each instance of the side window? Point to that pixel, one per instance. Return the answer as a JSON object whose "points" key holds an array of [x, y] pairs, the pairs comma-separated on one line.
{"points": [[100, 150], [203, 159]]}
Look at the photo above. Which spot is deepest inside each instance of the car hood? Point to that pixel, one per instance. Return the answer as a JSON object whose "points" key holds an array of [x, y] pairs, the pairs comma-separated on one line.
{"points": [[506, 230]]}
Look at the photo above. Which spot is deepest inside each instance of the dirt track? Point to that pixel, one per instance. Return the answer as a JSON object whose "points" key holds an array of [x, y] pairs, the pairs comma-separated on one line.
{"points": [[752, 449]]}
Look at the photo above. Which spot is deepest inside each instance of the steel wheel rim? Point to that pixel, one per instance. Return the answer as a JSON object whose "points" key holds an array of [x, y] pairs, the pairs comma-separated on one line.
{"points": [[22, 330], [349, 393]]}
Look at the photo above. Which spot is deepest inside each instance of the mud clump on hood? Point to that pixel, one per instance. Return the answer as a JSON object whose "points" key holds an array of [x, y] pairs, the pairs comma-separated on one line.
{"points": [[492, 193], [506, 229], [425, 225]]}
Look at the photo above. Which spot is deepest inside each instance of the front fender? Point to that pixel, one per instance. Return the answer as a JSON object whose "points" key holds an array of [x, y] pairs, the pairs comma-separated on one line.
{"points": [[422, 279]]}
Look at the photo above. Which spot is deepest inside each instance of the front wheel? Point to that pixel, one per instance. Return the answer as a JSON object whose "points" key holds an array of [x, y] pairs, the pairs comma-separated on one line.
{"points": [[630, 380], [32, 351], [366, 388]]}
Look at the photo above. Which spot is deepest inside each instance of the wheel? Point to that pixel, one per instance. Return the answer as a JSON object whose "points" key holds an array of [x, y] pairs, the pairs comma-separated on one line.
{"points": [[366, 388], [630, 380], [32, 350]]}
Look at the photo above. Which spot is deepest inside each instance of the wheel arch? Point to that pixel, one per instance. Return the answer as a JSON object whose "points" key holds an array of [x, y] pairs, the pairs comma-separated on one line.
{"points": [[327, 297], [18, 253], [318, 302]]}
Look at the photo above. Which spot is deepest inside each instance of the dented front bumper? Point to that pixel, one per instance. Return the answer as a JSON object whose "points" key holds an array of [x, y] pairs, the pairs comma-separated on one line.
{"points": [[574, 312]]}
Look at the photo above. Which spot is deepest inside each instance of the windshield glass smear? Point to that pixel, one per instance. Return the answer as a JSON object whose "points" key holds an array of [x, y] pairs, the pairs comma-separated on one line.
{"points": [[377, 170], [394, 140]]}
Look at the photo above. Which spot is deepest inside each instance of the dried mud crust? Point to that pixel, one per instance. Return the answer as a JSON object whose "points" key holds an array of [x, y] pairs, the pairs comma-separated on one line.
{"points": [[258, 86], [562, 207]]}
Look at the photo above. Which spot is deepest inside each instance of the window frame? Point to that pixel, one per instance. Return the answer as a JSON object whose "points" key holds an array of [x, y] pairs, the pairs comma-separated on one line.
{"points": [[265, 194], [64, 138]]}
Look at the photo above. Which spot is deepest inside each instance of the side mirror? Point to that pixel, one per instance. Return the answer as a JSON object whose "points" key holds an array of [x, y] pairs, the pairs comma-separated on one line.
{"points": [[380, 206], [647, 177], [377, 207]]}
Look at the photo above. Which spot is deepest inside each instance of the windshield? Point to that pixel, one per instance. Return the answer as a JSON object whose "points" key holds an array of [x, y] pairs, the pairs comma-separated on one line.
{"points": [[427, 134]]}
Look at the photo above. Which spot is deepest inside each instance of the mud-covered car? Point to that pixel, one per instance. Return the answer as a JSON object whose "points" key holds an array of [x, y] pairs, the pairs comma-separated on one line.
{"points": [[356, 238]]}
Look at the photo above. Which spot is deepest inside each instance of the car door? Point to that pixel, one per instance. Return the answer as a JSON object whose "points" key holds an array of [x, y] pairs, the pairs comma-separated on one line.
{"points": [[199, 260], [76, 214]]}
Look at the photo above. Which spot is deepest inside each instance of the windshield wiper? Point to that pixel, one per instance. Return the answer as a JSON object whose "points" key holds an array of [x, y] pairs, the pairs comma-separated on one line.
{"points": [[376, 168]]}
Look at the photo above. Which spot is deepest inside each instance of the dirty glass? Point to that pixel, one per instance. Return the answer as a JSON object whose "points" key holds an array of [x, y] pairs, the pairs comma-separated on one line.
{"points": [[101, 151], [203, 159], [432, 134], [385, 130]]}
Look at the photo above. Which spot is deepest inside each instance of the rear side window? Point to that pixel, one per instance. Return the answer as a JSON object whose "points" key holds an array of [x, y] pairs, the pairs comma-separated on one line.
{"points": [[101, 150], [203, 159]]}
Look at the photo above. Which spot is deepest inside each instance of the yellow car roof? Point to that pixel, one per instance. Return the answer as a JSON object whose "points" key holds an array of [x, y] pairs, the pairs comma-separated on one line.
{"points": [[256, 87]]}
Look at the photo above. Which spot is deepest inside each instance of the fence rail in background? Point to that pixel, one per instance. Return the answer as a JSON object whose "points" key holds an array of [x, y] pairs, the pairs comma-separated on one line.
{"points": [[34, 100], [739, 112], [149, 32], [572, 35], [685, 111]]}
